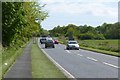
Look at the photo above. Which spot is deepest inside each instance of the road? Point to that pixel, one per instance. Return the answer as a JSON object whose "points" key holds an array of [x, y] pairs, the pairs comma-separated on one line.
{"points": [[83, 63]]}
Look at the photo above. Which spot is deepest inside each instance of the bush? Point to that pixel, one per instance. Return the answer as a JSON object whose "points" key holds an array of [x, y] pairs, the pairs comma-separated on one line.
{"points": [[99, 37], [87, 36]]}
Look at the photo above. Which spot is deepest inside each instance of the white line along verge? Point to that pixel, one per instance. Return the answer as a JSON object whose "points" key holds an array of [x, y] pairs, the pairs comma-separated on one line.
{"points": [[67, 51], [110, 65], [79, 55], [92, 59], [58, 65]]}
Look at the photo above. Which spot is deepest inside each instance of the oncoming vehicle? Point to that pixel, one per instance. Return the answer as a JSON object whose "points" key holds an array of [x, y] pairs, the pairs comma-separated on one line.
{"points": [[72, 45], [49, 43]]}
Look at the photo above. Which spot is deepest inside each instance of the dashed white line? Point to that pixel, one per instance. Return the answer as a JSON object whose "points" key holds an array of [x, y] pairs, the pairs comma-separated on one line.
{"points": [[92, 59], [110, 65], [79, 55]]}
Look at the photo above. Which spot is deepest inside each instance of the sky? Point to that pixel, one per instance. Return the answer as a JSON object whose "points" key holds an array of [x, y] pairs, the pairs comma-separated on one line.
{"points": [[79, 12]]}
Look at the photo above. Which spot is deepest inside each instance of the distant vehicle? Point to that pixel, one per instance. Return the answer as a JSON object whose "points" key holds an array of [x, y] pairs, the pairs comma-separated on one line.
{"points": [[49, 43], [72, 45], [49, 38], [43, 39], [56, 41]]}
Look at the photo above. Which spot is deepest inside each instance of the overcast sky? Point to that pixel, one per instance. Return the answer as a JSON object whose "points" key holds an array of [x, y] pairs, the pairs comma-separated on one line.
{"points": [[80, 12]]}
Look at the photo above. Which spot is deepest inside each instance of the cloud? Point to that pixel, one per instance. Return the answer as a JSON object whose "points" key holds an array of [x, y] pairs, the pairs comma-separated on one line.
{"points": [[82, 8]]}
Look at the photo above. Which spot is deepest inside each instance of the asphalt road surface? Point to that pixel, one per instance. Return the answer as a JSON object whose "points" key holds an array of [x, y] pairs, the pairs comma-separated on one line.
{"points": [[83, 63]]}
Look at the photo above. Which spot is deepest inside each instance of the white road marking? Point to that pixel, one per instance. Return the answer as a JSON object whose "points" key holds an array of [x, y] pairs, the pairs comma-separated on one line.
{"points": [[68, 51], [79, 55], [92, 59], [110, 65]]}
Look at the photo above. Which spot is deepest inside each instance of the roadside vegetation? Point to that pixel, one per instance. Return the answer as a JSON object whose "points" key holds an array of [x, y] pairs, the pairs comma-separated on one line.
{"points": [[42, 67], [103, 46], [20, 22], [108, 45]]}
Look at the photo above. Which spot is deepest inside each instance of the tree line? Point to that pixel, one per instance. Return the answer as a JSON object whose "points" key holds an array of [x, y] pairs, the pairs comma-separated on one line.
{"points": [[105, 31], [19, 21]]}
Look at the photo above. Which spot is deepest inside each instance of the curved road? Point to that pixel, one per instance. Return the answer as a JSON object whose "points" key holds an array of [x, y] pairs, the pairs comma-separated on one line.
{"points": [[83, 63]]}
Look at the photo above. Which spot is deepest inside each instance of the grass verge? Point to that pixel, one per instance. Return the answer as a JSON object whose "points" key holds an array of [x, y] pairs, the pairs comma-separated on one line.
{"points": [[42, 67], [101, 51]]}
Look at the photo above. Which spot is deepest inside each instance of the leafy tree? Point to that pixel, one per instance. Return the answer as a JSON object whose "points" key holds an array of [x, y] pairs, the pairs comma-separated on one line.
{"points": [[18, 22], [105, 31]]}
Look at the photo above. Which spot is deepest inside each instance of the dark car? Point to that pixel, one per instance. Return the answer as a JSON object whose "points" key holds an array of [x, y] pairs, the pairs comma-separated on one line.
{"points": [[49, 43], [42, 40]]}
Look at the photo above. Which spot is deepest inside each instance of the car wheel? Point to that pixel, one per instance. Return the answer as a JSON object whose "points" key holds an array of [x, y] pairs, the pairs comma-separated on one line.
{"points": [[67, 48], [77, 48], [53, 46], [45, 46]]}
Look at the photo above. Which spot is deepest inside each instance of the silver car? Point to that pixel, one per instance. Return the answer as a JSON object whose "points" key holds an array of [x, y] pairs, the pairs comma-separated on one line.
{"points": [[72, 45]]}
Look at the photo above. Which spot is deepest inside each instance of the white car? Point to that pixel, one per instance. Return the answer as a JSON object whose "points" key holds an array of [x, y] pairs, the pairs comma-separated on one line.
{"points": [[72, 45]]}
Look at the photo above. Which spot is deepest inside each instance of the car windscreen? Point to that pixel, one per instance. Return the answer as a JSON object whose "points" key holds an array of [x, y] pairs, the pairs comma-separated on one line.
{"points": [[72, 42], [43, 39], [49, 41]]}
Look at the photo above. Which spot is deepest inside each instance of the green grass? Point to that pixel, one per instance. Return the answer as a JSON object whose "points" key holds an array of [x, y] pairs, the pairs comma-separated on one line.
{"points": [[108, 45], [104, 46], [101, 51], [42, 67]]}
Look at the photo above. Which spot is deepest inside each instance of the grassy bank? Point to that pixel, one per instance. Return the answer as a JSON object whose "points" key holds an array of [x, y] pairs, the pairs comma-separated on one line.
{"points": [[103, 46], [108, 45], [42, 67], [101, 51]]}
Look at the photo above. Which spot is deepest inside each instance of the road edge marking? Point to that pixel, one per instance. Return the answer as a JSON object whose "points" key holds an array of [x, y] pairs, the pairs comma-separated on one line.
{"points": [[67, 51], [65, 72]]}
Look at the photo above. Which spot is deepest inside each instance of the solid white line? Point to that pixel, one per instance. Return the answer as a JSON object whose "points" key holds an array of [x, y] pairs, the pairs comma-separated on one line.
{"points": [[68, 51], [110, 65], [92, 59], [79, 55], [58, 65]]}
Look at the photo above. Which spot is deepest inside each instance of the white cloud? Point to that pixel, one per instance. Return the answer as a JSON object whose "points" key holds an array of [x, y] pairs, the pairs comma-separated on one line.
{"points": [[96, 9], [91, 12]]}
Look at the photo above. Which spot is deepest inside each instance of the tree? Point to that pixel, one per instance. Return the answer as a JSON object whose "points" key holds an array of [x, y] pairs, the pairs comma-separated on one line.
{"points": [[18, 22]]}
